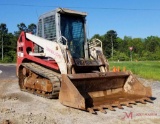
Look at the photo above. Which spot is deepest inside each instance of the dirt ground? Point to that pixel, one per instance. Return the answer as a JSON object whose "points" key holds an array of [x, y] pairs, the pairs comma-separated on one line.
{"points": [[19, 107]]}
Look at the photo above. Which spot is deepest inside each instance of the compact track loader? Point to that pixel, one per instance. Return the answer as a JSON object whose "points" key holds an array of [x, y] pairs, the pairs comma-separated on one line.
{"points": [[60, 63]]}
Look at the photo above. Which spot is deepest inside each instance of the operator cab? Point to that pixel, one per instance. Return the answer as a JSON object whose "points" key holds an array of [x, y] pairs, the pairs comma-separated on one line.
{"points": [[68, 24], [72, 28]]}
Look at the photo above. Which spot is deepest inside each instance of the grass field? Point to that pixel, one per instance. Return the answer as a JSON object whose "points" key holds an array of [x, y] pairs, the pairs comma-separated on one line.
{"points": [[148, 70]]}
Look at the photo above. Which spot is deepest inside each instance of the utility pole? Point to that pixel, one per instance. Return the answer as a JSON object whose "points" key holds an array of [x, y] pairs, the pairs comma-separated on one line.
{"points": [[131, 55], [112, 45], [2, 47], [112, 36]]}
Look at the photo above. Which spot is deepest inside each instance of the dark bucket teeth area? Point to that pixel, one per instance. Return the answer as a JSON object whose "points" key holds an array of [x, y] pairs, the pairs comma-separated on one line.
{"points": [[102, 108]]}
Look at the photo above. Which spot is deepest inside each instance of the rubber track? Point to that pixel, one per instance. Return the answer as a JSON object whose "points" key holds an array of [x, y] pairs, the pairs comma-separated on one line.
{"points": [[54, 77]]}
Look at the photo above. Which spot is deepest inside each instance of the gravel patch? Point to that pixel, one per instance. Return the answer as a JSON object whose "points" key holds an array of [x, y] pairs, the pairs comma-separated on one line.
{"points": [[19, 107]]}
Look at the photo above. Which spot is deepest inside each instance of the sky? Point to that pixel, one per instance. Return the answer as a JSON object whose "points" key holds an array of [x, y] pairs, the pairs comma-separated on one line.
{"points": [[133, 18]]}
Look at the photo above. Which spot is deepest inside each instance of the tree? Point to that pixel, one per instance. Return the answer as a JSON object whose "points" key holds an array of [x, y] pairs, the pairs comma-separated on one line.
{"points": [[109, 42], [138, 47], [32, 28], [22, 27], [98, 37], [3, 28], [3, 32], [8, 43], [152, 47], [152, 43], [120, 44]]}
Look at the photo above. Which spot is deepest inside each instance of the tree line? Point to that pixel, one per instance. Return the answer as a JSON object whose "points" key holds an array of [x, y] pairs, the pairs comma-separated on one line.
{"points": [[128, 48], [114, 47], [8, 41]]}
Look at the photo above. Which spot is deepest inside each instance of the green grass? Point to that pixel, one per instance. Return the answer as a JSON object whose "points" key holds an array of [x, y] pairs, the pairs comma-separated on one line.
{"points": [[148, 70]]}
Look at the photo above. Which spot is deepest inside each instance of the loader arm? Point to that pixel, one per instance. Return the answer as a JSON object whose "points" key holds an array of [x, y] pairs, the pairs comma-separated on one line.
{"points": [[51, 49]]}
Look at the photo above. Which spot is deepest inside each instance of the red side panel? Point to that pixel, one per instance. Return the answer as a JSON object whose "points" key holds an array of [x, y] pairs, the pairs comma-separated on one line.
{"points": [[23, 47]]}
